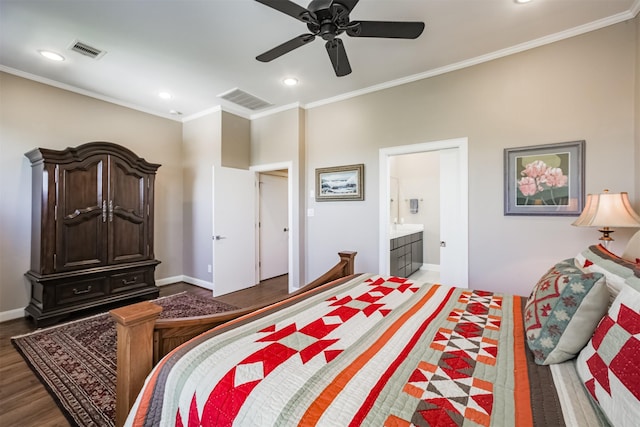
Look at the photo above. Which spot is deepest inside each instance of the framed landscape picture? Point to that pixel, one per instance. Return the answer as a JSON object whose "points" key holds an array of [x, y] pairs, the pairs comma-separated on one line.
{"points": [[544, 179], [340, 183]]}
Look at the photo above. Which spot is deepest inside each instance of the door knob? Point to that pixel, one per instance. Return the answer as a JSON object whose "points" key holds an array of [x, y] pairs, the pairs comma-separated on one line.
{"points": [[218, 237], [443, 244], [285, 229]]}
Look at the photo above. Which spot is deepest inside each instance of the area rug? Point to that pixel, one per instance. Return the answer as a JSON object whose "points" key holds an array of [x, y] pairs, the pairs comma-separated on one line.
{"points": [[76, 361]]}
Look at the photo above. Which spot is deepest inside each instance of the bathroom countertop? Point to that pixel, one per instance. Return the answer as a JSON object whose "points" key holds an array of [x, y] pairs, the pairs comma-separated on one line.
{"points": [[401, 230]]}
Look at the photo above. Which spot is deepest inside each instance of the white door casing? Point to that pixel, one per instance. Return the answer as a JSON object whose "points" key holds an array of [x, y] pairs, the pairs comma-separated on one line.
{"points": [[234, 230], [458, 252], [274, 226]]}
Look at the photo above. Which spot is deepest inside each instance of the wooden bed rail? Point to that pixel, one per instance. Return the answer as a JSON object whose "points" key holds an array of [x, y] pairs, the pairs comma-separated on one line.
{"points": [[143, 339]]}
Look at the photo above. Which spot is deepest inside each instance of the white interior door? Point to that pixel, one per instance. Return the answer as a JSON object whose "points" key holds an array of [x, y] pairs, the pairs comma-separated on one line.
{"points": [[452, 246], [234, 230], [274, 226]]}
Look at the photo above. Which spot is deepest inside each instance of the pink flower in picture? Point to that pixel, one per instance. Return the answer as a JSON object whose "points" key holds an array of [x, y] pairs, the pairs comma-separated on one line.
{"points": [[554, 177], [534, 169], [528, 186]]}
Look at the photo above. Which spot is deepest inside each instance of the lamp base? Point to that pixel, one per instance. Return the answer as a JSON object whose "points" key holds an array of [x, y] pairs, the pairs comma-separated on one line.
{"points": [[606, 238]]}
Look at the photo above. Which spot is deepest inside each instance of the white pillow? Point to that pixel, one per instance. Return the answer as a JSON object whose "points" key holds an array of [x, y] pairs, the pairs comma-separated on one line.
{"points": [[632, 251]]}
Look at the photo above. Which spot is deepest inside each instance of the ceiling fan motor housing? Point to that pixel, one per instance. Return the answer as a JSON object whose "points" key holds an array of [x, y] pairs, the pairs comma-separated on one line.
{"points": [[331, 18]]}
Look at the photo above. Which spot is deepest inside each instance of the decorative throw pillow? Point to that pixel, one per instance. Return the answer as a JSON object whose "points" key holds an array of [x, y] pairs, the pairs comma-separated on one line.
{"points": [[597, 259], [632, 251], [562, 312], [609, 365]]}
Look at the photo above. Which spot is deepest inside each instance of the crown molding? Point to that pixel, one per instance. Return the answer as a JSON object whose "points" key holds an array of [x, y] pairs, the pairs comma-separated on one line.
{"points": [[214, 109], [576, 31], [84, 92], [276, 110]]}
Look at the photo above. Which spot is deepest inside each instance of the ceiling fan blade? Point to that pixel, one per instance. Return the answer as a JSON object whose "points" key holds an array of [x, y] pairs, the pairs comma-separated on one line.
{"points": [[290, 8], [349, 4], [285, 47], [338, 56], [385, 29]]}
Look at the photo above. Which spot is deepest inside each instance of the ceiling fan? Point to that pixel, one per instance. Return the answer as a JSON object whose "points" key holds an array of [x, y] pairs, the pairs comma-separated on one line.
{"points": [[330, 18]]}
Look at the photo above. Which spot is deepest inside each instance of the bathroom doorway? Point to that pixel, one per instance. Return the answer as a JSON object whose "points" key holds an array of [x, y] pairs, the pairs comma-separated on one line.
{"points": [[447, 203]]}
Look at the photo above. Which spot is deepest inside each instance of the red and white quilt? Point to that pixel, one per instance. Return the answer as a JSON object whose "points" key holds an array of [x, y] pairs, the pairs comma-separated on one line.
{"points": [[371, 351]]}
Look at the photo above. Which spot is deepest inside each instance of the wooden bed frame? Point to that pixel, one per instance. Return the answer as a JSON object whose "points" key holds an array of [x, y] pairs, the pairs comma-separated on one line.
{"points": [[143, 339]]}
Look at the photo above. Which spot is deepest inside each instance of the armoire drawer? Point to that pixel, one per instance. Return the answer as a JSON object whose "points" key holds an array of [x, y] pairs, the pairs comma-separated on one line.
{"points": [[81, 290], [122, 282]]}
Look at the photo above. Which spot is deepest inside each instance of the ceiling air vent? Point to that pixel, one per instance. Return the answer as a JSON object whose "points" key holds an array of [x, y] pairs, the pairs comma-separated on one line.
{"points": [[86, 50], [244, 99]]}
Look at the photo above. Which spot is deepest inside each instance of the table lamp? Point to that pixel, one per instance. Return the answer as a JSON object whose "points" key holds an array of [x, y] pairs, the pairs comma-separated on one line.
{"points": [[606, 210]]}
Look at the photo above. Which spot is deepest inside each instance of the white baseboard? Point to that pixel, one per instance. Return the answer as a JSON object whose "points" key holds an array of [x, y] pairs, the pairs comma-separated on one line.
{"points": [[11, 314], [198, 282], [169, 280], [190, 280], [430, 267]]}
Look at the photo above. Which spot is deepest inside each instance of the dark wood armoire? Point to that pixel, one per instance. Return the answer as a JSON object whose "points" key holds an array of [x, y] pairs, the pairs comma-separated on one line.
{"points": [[91, 230]]}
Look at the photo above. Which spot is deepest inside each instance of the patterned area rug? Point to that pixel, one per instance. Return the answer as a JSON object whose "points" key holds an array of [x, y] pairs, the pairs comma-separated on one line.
{"points": [[76, 361]]}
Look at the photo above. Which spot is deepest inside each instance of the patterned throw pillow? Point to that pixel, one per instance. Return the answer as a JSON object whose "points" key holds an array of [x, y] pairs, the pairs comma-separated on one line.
{"points": [[597, 259], [562, 312], [609, 365]]}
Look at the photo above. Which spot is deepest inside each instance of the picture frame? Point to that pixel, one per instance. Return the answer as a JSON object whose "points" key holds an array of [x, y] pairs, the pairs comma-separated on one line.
{"points": [[340, 183], [544, 179]]}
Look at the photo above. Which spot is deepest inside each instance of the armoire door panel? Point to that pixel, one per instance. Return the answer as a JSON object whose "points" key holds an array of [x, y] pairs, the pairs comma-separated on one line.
{"points": [[127, 211], [81, 214]]}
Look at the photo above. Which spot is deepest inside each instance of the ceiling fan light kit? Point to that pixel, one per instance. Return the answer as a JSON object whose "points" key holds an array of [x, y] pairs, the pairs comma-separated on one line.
{"points": [[330, 18]]}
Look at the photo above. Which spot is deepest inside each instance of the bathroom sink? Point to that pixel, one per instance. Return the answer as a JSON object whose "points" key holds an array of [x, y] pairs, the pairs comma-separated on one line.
{"points": [[400, 230]]}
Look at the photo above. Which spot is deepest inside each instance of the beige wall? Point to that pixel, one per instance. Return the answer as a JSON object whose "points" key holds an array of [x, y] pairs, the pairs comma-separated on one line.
{"points": [[236, 141], [280, 138], [36, 115], [202, 147], [579, 88]]}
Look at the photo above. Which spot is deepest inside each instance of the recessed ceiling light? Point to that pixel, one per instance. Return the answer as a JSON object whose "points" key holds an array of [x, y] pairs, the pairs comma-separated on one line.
{"points": [[522, 1], [165, 95], [51, 55], [290, 81]]}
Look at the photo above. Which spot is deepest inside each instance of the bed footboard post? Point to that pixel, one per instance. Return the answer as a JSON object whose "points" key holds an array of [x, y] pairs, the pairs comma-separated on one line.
{"points": [[349, 257], [134, 324]]}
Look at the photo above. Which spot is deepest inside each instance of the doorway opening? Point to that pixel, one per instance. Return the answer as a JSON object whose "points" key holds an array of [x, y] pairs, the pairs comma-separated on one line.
{"points": [[273, 225], [276, 230], [451, 197], [236, 239]]}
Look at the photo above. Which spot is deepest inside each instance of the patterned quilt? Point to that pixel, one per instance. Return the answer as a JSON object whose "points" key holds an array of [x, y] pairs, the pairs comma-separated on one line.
{"points": [[371, 351]]}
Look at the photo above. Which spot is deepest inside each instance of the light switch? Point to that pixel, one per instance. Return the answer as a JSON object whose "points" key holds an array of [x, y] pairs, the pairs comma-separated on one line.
{"points": [[310, 212]]}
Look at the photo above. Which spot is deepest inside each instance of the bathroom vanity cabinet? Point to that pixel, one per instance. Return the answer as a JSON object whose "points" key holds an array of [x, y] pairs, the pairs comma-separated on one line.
{"points": [[406, 254]]}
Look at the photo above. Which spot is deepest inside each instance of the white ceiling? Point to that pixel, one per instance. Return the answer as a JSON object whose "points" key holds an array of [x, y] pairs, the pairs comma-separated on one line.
{"points": [[199, 49]]}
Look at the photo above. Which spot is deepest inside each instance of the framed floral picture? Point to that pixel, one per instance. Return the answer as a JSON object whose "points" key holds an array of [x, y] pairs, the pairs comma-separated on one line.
{"points": [[544, 179], [340, 183]]}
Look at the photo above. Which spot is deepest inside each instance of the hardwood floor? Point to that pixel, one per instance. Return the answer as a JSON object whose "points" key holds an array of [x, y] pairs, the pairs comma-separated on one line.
{"points": [[25, 402]]}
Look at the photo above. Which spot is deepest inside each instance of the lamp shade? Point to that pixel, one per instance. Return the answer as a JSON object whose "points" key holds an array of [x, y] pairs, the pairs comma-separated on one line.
{"points": [[608, 210]]}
